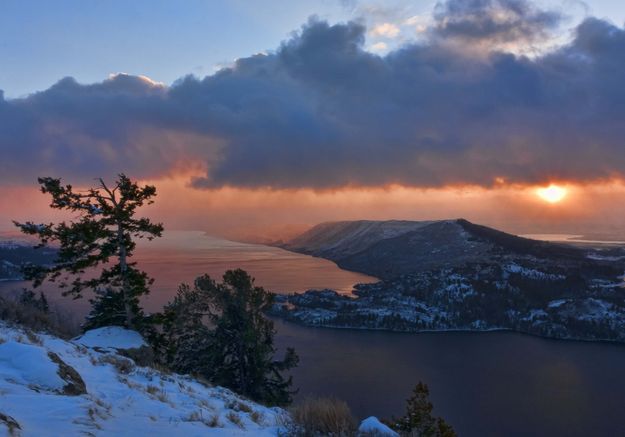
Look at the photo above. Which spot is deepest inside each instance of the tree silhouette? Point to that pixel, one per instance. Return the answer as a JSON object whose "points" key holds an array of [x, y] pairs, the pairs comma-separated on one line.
{"points": [[418, 421], [105, 228]]}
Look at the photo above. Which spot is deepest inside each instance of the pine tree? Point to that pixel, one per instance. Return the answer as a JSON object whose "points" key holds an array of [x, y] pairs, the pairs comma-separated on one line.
{"points": [[106, 228], [418, 421], [186, 337], [108, 309], [220, 332]]}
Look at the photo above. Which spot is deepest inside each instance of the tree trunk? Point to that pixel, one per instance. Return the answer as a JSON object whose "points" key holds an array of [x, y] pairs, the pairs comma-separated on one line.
{"points": [[123, 267]]}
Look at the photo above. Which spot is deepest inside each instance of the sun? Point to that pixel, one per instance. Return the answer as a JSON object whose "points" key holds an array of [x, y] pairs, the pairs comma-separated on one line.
{"points": [[552, 193]]}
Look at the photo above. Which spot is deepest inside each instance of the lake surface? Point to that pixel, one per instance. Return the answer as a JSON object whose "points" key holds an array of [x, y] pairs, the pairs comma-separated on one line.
{"points": [[182, 256], [484, 384], [571, 238]]}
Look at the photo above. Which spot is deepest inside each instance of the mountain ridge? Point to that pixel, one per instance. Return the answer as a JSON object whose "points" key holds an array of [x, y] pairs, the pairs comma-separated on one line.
{"points": [[389, 248]]}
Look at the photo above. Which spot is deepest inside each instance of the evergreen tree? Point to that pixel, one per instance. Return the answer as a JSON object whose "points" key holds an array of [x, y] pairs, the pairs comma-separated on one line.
{"points": [[186, 337], [108, 309], [220, 332], [106, 228], [418, 421]]}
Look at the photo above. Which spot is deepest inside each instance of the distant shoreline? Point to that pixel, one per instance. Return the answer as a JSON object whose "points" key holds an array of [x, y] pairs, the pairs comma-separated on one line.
{"points": [[573, 238], [452, 331]]}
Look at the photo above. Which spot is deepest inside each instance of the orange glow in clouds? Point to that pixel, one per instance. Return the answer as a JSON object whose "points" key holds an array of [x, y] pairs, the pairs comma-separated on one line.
{"points": [[269, 215]]}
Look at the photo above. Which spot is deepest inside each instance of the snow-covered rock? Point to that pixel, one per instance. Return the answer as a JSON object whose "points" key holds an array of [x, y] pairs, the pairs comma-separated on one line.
{"points": [[371, 425], [114, 337], [121, 399]]}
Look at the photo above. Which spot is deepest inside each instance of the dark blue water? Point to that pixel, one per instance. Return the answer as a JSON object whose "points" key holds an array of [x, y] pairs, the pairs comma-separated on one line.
{"points": [[484, 384]]}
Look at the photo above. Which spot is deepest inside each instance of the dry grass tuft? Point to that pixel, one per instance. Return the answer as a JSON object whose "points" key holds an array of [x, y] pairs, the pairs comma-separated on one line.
{"points": [[257, 417], [157, 392], [18, 311], [236, 419], [238, 406], [122, 365], [195, 416], [213, 421], [33, 338], [12, 425], [322, 417]]}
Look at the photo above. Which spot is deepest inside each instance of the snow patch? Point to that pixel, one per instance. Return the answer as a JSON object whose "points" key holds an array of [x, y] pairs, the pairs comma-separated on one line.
{"points": [[531, 273], [111, 337], [374, 426], [29, 365], [557, 303]]}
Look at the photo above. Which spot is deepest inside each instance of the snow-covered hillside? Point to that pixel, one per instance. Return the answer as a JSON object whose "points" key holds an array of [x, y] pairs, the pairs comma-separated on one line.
{"points": [[52, 387], [335, 240]]}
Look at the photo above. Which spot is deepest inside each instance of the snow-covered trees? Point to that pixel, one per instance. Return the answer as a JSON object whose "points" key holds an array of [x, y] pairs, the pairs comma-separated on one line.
{"points": [[219, 331], [106, 228]]}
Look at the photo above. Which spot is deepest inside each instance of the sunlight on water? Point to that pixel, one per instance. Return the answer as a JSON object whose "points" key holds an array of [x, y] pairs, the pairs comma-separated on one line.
{"points": [[569, 238], [181, 256]]}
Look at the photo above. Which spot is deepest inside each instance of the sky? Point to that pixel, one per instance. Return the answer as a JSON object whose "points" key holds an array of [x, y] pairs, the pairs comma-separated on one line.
{"points": [[254, 120], [42, 41]]}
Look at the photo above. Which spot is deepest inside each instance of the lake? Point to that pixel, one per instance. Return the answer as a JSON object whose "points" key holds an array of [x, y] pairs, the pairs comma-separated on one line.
{"points": [[484, 384]]}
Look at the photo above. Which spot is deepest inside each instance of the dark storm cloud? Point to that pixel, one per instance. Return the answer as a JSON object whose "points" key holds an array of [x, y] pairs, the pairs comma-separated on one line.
{"points": [[494, 21], [322, 112]]}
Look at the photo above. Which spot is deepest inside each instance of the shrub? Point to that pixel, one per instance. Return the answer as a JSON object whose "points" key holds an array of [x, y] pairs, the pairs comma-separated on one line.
{"points": [[142, 356], [34, 313], [322, 417]]}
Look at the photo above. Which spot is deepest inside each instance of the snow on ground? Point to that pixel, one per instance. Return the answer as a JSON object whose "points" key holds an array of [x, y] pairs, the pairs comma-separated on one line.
{"points": [[111, 337], [556, 303], [29, 365], [122, 399], [534, 314], [531, 273]]}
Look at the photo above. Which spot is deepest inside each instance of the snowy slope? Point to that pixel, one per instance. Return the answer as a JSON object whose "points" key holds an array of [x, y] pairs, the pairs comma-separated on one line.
{"points": [[122, 399]]}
